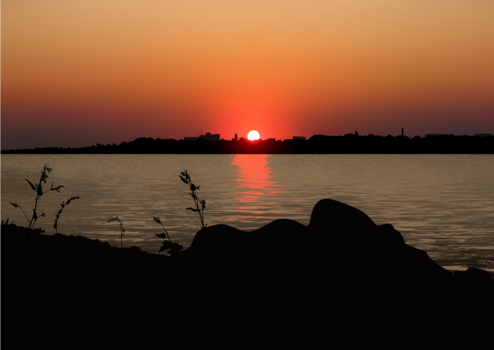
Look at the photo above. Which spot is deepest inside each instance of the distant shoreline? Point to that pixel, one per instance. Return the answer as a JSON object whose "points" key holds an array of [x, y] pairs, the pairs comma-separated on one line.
{"points": [[317, 144]]}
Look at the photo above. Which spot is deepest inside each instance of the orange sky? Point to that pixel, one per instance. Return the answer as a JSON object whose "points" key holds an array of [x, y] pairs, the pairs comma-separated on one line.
{"points": [[76, 73]]}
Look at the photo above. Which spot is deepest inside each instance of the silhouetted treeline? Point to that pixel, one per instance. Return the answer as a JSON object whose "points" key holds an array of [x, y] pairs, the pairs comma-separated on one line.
{"points": [[317, 144]]}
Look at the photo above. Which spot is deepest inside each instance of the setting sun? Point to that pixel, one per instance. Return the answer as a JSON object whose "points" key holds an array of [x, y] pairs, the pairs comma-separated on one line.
{"points": [[253, 135]]}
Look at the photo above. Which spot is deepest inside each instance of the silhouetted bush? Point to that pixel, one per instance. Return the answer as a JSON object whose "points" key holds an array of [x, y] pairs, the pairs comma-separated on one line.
{"points": [[168, 246], [39, 192], [6, 225], [57, 216], [121, 228], [200, 204]]}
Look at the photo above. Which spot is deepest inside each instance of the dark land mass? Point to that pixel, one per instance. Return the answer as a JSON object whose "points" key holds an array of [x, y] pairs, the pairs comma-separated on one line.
{"points": [[317, 144], [342, 277]]}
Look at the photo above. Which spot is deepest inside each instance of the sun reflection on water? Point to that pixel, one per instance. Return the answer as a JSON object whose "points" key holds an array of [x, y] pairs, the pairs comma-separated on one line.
{"points": [[253, 177], [255, 188]]}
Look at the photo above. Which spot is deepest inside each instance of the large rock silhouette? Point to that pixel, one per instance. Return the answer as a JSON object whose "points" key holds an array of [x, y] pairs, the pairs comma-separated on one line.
{"points": [[341, 251]]}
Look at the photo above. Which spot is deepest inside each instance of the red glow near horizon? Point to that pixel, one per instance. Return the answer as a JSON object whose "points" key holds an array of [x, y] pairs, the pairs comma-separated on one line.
{"points": [[74, 76]]}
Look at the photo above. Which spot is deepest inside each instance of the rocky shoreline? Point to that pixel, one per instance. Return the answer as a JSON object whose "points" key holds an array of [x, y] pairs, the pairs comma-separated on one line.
{"points": [[283, 266]]}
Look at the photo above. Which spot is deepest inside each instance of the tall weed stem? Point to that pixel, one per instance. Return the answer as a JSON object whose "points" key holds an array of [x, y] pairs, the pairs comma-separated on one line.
{"points": [[39, 192], [200, 204]]}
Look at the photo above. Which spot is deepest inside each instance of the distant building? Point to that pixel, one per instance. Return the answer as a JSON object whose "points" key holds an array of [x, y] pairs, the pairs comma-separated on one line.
{"points": [[208, 136], [303, 138], [437, 135], [483, 135]]}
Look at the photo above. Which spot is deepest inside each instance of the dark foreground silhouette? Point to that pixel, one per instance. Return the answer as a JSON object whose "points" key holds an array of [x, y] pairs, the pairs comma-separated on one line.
{"points": [[342, 272]]}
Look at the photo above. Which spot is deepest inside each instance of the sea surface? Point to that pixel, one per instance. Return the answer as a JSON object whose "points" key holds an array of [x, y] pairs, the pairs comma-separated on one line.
{"points": [[443, 204]]}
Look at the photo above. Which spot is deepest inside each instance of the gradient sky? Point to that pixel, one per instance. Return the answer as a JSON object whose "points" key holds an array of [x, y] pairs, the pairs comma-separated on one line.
{"points": [[76, 73]]}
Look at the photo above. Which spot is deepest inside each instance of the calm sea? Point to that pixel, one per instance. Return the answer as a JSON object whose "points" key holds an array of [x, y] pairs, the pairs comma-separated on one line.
{"points": [[443, 204]]}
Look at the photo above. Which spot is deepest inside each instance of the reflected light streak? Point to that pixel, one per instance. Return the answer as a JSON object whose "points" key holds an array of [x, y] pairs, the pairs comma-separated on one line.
{"points": [[253, 181]]}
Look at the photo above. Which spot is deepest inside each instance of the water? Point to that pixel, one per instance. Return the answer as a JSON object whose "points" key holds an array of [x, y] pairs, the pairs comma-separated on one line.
{"points": [[443, 204]]}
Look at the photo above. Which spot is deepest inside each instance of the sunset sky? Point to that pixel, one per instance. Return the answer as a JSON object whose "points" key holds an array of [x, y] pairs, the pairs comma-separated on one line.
{"points": [[76, 73]]}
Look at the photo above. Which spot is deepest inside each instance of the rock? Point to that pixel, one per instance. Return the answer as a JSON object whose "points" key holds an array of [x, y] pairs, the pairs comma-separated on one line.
{"points": [[341, 251], [336, 218], [474, 281]]}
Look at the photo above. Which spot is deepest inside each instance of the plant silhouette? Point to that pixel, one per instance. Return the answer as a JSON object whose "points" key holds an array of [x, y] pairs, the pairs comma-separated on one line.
{"points": [[121, 229], [39, 192], [6, 225], [57, 216], [168, 246], [200, 204]]}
